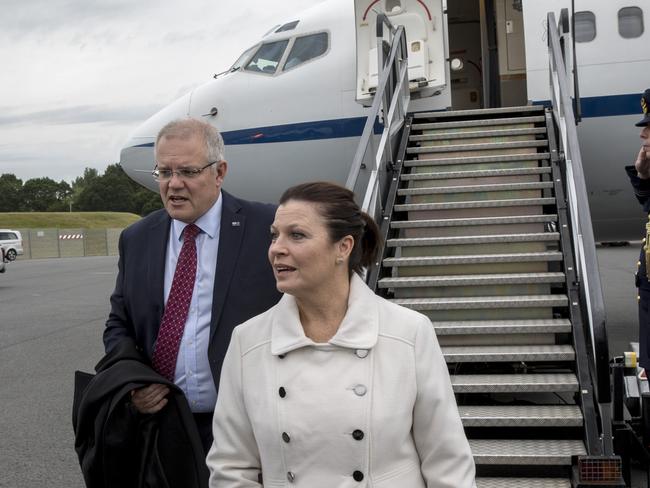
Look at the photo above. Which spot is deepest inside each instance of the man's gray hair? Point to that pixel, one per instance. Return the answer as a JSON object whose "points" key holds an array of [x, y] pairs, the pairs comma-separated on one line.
{"points": [[185, 128]]}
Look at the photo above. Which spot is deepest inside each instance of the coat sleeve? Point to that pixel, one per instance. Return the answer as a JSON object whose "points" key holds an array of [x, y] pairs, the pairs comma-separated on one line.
{"points": [[445, 455], [233, 459], [118, 325], [641, 187]]}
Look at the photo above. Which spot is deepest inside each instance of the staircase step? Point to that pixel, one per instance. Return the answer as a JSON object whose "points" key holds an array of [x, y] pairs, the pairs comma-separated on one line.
{"points": [[446, 136], [522, 257], [460, 303], [489, 239], [476, 188], [488, 146], [483, 173], [515, 219], [522, 483], [479, 112], [499, 158], [514, 383], [525, 451], [521, 416], [480, 327], [510, 202], [479, 123], [472, 280], [479, 354]]}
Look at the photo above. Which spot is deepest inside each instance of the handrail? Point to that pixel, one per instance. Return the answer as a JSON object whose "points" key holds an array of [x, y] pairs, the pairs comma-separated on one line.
{"points": [[392, 97], [582, 232]]}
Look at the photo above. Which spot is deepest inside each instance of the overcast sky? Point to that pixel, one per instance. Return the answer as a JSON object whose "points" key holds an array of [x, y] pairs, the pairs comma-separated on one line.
{"points": [[77, 76]]}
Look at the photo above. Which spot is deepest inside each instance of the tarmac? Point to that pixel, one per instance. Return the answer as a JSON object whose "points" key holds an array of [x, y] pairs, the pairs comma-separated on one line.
{"points": [[52, 314]]}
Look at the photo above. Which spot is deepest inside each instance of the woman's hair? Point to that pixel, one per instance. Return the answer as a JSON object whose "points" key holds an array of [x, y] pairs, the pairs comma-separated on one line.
{"points": [[342, 217]]}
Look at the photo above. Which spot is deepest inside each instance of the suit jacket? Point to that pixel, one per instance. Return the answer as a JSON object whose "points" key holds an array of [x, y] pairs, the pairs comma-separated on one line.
{"points": [[244, 284], [374, 404], [119, 448]]}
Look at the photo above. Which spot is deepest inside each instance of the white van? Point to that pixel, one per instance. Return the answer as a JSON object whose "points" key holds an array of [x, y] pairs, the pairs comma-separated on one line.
{"points": [[12, 242]]}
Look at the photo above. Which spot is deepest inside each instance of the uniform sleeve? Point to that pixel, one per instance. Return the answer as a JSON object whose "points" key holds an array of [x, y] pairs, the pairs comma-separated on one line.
{"points": [[233, 459], [440, 440], [641, 187]]}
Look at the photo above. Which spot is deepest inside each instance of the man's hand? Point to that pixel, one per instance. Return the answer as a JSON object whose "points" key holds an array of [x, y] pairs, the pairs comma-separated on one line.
{"points": [[150, 399], [642, 164]]}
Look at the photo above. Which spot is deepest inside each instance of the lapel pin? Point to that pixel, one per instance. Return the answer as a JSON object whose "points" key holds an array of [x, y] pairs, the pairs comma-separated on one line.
{"points": [[236, 223]]}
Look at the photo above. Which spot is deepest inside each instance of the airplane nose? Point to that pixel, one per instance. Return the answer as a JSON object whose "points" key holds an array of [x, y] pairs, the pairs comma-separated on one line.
{"points": [[137, 155]]}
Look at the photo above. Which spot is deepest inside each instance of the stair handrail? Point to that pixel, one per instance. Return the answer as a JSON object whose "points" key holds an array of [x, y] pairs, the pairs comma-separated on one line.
{"points": [[584, 247], [392, 97]]}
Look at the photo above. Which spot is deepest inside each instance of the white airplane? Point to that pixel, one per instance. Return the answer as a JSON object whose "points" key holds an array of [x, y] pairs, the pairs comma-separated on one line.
{"points": [[293, 106]]}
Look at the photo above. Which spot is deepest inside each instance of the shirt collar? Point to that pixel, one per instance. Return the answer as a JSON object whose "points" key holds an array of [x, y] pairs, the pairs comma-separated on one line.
{"points": [[358, 330], [209, 222]]}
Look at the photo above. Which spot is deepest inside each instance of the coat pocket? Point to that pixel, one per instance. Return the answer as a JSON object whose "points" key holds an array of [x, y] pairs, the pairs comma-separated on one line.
{"points": [[406, 474]]}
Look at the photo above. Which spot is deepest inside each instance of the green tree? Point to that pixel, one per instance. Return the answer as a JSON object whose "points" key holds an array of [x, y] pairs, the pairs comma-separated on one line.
{"points": [[43, 194], [10, 193]]}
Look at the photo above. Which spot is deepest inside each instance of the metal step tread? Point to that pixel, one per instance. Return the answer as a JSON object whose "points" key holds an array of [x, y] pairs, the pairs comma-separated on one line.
{"points": [[524, 109], [491, 302], [538, 352], [486, 146], [520, 257], [487, 239], [509, 202], [535, 326], [520, 415], [499, 158], [445, 136], [479, 123], [509, 383], [483, 173], [474, 280], [526, 451], [522, 483], [436, 190], [514, 219]]}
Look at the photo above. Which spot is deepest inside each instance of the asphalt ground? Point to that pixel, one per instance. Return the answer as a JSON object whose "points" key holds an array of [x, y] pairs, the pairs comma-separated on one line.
{"points": [[52, 312]]}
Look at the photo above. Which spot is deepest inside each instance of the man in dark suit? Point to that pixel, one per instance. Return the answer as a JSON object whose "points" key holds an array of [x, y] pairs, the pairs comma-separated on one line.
{"points": [[188, 274], [639, 175]]}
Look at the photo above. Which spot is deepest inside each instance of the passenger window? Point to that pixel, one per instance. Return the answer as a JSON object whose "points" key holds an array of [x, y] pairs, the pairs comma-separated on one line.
{"points": [[585, 23], [630, 22], [267, 57], [306, 48]]}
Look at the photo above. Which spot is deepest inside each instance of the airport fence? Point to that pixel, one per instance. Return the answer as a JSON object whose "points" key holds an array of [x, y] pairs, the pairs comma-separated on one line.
{"points": [[69, 243]]}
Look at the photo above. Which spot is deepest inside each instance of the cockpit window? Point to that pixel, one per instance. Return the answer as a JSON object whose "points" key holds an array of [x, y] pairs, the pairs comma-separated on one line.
{"points": [[242, 59], [306, 48], [267, 57], [288, 26]]}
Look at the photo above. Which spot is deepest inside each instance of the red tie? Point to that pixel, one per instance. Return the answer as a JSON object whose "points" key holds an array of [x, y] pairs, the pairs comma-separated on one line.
{"points": [[178, 303]]}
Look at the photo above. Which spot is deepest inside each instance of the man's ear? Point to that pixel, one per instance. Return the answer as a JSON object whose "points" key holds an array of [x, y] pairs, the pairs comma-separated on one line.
{"points": [[222, 169]]}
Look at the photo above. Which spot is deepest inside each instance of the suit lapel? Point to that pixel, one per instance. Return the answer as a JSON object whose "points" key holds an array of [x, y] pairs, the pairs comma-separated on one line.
{"points": [[156, 254], [233, 223]]}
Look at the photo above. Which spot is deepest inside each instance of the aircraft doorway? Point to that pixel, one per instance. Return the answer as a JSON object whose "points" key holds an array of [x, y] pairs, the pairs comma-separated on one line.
{"points": [[487, 37]]}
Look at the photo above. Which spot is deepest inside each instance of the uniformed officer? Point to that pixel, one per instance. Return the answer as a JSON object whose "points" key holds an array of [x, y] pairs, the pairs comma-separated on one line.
{"points": [[640, 177]]}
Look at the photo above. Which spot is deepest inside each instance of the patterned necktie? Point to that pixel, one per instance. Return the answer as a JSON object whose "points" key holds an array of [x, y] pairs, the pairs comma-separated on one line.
{"points": [[178, 304]]}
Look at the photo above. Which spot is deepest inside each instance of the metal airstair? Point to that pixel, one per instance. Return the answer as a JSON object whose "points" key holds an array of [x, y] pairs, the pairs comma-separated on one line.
{"points": [[476, 245], [488, 234]]}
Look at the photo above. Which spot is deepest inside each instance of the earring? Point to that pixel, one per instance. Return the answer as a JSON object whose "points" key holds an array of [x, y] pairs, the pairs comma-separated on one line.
{"points": [[339, 260]]}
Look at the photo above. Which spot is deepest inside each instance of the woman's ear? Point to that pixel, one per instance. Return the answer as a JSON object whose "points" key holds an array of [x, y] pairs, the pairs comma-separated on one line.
{"points": [[345, 246]]}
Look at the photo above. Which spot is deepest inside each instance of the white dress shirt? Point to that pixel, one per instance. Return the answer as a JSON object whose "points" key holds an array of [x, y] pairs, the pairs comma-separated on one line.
{"points": [[193, 374]]}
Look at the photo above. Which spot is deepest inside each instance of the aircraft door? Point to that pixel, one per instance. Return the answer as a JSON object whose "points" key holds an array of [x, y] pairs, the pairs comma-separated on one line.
{"points": [[426, 34]]}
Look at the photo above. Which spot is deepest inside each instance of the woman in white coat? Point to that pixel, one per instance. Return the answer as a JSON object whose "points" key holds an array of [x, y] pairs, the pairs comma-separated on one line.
{"points": [[334, 386]]}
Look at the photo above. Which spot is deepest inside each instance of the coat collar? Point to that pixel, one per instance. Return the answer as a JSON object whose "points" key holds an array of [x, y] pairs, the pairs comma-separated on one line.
{"points": [[358, 330]]}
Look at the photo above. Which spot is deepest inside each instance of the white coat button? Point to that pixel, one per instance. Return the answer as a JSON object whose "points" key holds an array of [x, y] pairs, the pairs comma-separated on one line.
{"points": [[361, 353], [290, 476], [360, 390]]}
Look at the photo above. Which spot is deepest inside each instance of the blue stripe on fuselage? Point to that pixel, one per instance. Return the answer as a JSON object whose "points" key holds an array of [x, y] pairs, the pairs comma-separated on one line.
{"points": [[605, 106]]}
